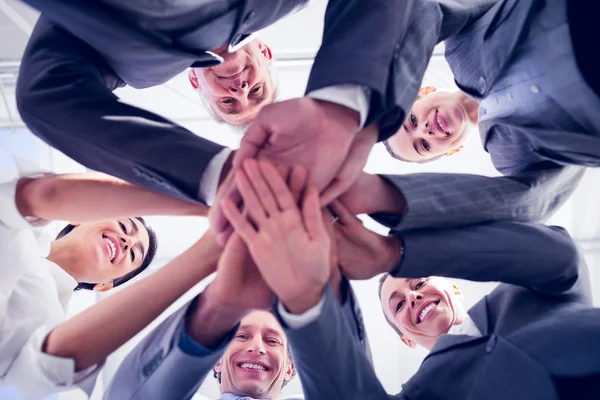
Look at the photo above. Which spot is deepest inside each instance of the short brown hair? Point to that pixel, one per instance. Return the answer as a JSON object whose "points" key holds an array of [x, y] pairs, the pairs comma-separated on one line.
{"points": [[379, 288]]}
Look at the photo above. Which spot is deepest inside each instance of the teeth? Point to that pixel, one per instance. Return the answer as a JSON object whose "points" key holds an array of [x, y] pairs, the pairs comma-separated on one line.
{"points": [[439, 121], [112, 247], [426, 311], [253, 366]]}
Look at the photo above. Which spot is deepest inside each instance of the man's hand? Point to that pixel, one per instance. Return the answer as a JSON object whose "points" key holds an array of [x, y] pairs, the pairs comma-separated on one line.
{"points": [[318, 135], [371, 194], [362, 253], [290, 246], [238, 283]]}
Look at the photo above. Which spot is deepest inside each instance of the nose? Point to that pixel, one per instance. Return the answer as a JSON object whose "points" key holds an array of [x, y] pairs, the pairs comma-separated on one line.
{"points": [[238, 85], [415, 298], [126, 242], [257, 345]]}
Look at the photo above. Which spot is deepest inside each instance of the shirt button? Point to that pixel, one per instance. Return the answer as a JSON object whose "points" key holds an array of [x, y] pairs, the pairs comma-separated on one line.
{"points": [[535, 89], [482, 111], [489, 347], [510, 96], [481, 85]]}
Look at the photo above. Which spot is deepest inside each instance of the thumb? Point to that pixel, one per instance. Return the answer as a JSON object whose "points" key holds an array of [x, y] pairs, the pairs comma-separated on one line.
{"points": [[254, 139]]}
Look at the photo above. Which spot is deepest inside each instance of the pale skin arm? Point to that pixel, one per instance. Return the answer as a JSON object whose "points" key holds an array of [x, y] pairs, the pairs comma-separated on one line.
{"points": [[89, 197], [91, 336]]}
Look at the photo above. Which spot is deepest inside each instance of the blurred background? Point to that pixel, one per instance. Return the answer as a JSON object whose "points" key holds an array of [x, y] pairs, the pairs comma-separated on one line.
{"points": [[294, 42]]}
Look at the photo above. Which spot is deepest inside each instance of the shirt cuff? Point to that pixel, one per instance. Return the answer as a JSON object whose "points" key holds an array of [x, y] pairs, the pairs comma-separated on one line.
{"points": [[209, 183], [300, 321], [192, 348], [349, 95]]}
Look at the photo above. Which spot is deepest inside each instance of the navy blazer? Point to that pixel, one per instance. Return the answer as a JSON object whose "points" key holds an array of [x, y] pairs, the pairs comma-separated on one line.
{"points": [[536, 325]]}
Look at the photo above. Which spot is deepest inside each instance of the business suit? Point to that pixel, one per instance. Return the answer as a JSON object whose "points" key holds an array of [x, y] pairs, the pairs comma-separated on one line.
{"points": [[80, 52], [537, 326], [158, 368], [538, 118]]}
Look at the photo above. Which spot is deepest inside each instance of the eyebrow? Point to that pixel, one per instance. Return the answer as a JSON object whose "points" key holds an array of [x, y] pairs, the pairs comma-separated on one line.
{"points": [[137, 230]]}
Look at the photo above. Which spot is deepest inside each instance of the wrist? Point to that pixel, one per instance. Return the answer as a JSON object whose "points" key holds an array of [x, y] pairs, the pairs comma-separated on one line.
{"points": [[395, 254], [345, 116], [301, 303], [210, 320]]}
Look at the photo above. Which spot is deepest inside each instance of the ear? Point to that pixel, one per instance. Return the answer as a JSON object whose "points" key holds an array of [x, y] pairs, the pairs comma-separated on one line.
{"points": [[218, 367], [409, 343], [454, 151], [193, 78], [265, 50], [289, 371], [457, 292], [425, 90], [103, 287]]}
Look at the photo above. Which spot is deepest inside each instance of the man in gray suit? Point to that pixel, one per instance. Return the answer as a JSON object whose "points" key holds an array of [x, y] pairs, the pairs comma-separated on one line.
{"points": [[535, 336], [538, 113]]}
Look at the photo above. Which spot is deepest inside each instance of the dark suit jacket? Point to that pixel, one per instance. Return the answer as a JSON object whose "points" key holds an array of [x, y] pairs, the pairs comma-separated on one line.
{"points": [[80, 52], [537, 324]]}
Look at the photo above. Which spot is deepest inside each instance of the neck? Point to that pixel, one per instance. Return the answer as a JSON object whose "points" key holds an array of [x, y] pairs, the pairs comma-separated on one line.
{"points": [[471, 106], [65, 259]]}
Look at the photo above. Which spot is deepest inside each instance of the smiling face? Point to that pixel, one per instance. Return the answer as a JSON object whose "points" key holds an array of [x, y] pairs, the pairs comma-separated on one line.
{"points": [[103, 251], [237, 89], [256, 363], [422, 309], [437, 124]]}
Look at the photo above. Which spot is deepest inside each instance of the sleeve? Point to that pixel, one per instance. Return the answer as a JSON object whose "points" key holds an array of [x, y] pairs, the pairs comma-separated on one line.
{"points": [[537, 257], [64, 96], [162, 367], [316, 350], [351, 96], [38, 374], [449, 200], [298, 321]]}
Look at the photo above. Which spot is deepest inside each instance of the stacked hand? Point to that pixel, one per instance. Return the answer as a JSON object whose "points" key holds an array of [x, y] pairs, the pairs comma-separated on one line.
{"points": [[290, 246], [321, 136]]}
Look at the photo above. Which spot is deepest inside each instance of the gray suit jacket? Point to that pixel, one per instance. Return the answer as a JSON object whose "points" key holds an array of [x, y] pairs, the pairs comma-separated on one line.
{"points": [[537, 324], [158, 369], [80, 51], [538, 118]]}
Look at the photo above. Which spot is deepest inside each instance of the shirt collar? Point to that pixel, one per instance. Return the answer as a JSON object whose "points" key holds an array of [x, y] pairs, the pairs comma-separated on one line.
{"points": [[231, 396], [65, 283], [467, 327]]}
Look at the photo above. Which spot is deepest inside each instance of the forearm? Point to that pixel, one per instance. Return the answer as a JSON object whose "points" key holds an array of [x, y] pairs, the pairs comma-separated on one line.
{"points": [[91, 336], [209, 320], [85, 197], [534, 256]]}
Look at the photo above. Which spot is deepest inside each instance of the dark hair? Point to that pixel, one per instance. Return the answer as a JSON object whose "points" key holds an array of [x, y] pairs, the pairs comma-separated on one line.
{"points": [[217, 375], [397, 157], [379, 288], [153, 245]]}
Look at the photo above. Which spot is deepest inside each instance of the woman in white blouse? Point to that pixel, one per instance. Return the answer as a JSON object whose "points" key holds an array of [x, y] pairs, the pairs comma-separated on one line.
{"points": [[40, 352]]}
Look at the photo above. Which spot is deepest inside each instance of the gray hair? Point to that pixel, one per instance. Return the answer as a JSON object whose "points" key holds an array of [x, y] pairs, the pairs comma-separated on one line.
{"points": [[241, 129]]}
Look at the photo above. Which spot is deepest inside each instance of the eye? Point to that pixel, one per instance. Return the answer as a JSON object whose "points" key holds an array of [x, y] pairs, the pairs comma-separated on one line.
{"points": [[241, 336], [420, 284], [132, 256], [228, 100], [426, 146], [273, 341], [123, 228], [256, 89], [400, 305], [413, 120]]}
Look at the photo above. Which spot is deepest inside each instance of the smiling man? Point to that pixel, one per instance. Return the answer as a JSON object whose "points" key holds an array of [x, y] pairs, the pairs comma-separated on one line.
{"points": [[236, 90], [257, 363]]}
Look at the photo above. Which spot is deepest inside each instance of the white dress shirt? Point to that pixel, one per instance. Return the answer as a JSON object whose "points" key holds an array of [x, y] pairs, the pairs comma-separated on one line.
{"points": [[349, 95], [34, 295]]}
